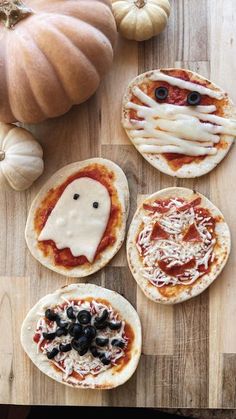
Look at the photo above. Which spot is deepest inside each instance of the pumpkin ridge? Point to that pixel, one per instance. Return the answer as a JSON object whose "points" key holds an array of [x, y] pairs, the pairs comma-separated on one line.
{"points": [[92, 29], [6, 78], [15, 169], [11, 94], [56, 74], [103, 4], [69, 42]]}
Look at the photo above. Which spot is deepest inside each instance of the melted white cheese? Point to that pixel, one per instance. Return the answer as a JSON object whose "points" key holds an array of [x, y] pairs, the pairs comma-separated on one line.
{"points": [[71, 360], [174, 250], [168, 128], [75, 223], [188, 85]]}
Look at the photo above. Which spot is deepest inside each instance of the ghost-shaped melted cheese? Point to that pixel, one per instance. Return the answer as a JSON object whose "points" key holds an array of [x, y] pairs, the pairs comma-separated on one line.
{"points": [[79, 218]]}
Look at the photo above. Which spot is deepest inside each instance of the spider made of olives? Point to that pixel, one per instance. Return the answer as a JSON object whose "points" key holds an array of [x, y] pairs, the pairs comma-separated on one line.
{"points": [[161, 93]]}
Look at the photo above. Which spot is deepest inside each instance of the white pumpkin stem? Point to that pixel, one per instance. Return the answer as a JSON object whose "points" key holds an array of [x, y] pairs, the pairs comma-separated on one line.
{"points": [[140, 3], [12, 11], [2, 155]]}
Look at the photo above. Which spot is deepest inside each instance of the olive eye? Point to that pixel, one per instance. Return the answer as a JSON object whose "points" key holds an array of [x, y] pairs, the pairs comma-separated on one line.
{"points": [[193, 98], [76, 196], [161, 93], [95, 204]]}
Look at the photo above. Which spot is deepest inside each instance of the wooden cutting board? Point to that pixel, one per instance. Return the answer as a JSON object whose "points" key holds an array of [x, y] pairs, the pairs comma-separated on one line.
{"points": [[189, 350]]}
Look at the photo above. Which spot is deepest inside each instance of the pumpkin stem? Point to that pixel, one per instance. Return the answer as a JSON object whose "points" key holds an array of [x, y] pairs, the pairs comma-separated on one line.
{"points": [[2, 155], [140, 3], [12, 11]]}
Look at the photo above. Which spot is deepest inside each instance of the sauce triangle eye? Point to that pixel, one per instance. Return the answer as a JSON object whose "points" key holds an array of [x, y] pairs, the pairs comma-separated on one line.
{"points": [[161, 93], [76, 196]]}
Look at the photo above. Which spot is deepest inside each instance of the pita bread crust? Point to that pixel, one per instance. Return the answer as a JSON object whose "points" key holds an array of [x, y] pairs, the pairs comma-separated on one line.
{"points": [[105, 380], [57, 179], [158, 161], [222, 251]]}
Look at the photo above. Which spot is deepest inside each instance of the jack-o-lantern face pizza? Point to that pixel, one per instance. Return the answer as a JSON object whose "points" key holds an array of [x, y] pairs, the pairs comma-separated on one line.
{"points": [[83, 336], [77, 222], [178, 243], [180, 122]]}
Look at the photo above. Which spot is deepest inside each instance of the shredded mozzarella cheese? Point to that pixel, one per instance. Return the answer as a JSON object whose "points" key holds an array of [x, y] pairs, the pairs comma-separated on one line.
{"points": [[175, 251]]}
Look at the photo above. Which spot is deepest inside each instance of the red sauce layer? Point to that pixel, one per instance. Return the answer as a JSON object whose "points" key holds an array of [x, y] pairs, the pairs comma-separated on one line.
{"points": [[177, 96], [64, 257]]}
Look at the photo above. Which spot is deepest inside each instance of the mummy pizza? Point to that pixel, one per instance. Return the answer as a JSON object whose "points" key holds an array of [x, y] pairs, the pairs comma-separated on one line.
{"points": [[77, 222], [83, 336], [178, 243], [180, 122]]}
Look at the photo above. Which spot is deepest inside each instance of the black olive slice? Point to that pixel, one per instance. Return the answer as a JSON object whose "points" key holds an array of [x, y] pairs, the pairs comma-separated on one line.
{"points": [[65, 348], [61, 323], [90, 332], [102, 317], [51, 315], [114, 325], [95, 205], [84, 317], [193, 98], [118, 342], [75, 330], [61, 331], [81, 343], [53, 353], [104, 359], [161, 93], [49, 336], [100, 326], [70, 313], [83, 351], [76, 196], [94, 351], [102, 341]]}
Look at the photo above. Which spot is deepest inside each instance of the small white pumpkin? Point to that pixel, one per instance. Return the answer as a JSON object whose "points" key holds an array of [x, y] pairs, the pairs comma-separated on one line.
{"points": [[21, 155], [140, 19]]}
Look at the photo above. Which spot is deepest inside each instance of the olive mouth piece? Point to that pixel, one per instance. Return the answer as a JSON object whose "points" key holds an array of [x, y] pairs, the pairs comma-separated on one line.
{"points": [[2, 155]]}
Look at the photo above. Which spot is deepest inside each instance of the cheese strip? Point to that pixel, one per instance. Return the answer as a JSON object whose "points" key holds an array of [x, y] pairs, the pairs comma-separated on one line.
{"points": [[183, 84], [196, 151]]}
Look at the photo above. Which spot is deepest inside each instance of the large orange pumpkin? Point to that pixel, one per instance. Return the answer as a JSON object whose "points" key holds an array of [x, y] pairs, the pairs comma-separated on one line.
{"points": [[53, 54]]}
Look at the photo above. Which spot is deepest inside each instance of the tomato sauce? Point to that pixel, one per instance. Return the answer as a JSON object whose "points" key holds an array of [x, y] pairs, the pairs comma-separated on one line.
{"points": [[64, 257], [178, 96]]}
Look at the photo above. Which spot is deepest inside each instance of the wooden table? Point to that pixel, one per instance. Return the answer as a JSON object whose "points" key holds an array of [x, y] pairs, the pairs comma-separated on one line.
{"points": [[189, 350]]}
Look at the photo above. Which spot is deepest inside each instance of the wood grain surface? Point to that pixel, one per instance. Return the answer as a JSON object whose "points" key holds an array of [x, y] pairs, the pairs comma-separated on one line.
{"points": [[189, 350]]}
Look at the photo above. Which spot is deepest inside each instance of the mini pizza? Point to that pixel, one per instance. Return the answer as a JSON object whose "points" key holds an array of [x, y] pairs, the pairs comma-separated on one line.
{"points": [[83, 336], [178, 243], [77, 222], [180, 122]]}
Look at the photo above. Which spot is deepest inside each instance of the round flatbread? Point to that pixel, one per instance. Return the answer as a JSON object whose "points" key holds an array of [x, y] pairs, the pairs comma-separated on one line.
{"points": [[178, 243], [77, 222], [174, 135], [116, 347]]}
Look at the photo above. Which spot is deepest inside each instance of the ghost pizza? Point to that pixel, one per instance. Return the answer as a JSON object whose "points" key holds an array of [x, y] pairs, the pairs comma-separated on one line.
{"points": [[180, 122], [84, 336], [178, 243], [77, 222]]}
